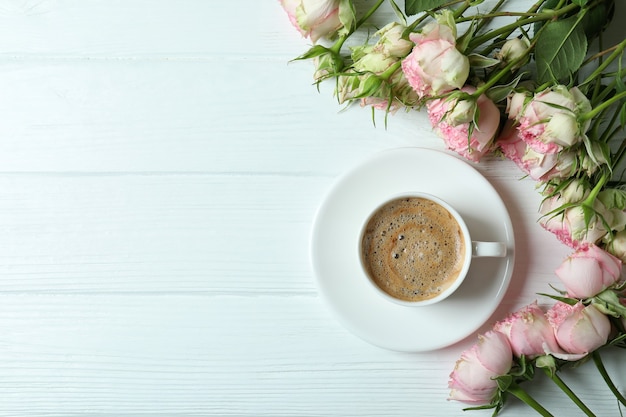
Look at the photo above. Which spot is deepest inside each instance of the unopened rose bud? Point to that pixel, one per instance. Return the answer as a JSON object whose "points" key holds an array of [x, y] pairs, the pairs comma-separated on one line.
{"points": [[374, 61], [583, 229], [463, 111], [574, 192], [327, 65], [562, 129], [391, 42], [513, 50], [515, 104], [617, 246], [347, 86]]}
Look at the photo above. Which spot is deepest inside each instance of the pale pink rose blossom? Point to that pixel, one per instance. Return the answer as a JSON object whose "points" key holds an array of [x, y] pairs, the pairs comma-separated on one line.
{"points": [[528, 331], [456, 136], [589, 271], [539, 166], [578, 329], [435, 66], [548, 122], [314, 19], [472, 380]]}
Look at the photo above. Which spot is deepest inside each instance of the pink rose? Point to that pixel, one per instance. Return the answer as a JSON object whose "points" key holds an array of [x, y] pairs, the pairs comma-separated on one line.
{"points": [[578, 329], [528, 331], [313, 18], [472, 380], [455, 136], [539, 166], [589, 271], [533, 163], [435, 66], [549, 121]]}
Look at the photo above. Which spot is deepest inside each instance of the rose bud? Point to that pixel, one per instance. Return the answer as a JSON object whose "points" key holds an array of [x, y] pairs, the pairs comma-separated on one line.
{"points": [[472, 380], [514, 49], [617, 246], [589, 271]]}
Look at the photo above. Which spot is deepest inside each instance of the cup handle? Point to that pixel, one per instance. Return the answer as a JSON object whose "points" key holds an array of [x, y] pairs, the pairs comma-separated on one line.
{"points": [[488, 249]]}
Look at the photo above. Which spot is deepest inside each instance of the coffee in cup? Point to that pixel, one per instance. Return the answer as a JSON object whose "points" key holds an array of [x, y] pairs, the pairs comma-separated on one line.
{"points": [[417, 249]]}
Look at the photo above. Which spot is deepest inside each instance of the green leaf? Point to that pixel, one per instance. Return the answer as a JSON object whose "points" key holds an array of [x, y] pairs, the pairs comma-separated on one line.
{"points": [[580, 2], [560, 50], [597, 18], [412, 7]]}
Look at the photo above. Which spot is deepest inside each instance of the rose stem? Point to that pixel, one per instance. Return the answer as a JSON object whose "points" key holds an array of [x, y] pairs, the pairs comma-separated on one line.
{"points": [[598, 361], [559, 382], [518, 392]]}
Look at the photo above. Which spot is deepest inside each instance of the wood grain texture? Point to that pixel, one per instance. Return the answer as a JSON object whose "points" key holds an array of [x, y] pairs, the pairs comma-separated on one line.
{"points": [[161, 164]]}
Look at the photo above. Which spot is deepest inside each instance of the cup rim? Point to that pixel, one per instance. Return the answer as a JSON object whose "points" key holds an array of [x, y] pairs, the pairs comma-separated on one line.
{"points": [[466, 237]]}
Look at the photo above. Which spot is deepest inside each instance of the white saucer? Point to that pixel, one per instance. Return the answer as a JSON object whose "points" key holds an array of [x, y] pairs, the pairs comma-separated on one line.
{"points": [[335, 257]]}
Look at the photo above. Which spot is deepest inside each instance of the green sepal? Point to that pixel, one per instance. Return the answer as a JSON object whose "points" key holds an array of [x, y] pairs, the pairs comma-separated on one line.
{"points": [[314, 51], [608, 303], [500, 92], [480, 61]]}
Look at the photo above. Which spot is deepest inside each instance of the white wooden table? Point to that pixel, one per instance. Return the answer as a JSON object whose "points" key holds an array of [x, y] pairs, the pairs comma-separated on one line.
{"points": [[161, 165]]}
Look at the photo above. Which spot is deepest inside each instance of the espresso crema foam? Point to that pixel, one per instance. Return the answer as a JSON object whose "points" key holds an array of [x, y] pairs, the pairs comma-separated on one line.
{"points": [[413, 248]]}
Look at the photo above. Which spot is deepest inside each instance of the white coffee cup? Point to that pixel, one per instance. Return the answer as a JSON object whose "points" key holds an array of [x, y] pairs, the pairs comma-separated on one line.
{"points": [[415, 249]]}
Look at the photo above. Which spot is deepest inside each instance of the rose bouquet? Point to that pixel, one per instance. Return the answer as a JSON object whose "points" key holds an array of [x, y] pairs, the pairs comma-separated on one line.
{"points": [[539, 87]]}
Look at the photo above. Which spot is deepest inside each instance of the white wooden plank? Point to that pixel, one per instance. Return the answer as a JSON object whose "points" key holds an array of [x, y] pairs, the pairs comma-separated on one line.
{"points": [[182, 116], [155, 233], [227, 234], [152, 29], [218, 355]]}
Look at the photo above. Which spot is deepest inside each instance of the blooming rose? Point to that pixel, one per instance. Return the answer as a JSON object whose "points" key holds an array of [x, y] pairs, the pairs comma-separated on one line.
{"points": [[435, 66], [441, 113], [548, 121], [528, 330], [578, 329], [539, 166], [589, 271], [472, 380], [314, 18]]}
